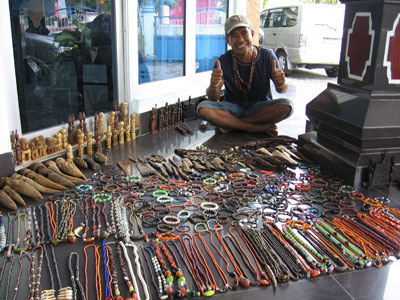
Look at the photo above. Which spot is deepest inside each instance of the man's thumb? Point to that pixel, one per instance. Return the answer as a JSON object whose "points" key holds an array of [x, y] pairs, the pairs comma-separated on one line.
{"points": [[273, 65], [218, 64]]}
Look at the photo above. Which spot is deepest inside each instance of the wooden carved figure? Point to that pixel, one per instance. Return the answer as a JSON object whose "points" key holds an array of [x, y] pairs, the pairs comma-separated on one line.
{"points": [[153, 119], [128, 133], [89, 140], [133, 127], [111, 120], [108, 139], [161, 119], [166, 116], [71, 129], [121, 132], [101, 125]]}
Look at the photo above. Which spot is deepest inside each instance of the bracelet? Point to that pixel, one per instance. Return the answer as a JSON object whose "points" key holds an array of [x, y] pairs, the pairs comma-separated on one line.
{"points": [[209, 206], [210, 213], [164, 228], [171, 220], [102, 197], [183, 215], [164, 199], [200, 225], [84, 188]]}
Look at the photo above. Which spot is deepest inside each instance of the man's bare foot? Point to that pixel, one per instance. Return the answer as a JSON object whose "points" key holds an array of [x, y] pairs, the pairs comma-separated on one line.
{"points": [[271, 129], [225, 130]]}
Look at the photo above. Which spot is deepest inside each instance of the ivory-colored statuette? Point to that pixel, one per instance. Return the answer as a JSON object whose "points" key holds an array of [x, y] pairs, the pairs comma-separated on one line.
{"points": [[81, 142], [121, 133], [133, 127], [108, 139], [58, 144], [69, 153], [64, 138], [101, 126], [111, 120], [89, 147], [128, 133], [124, 112]]}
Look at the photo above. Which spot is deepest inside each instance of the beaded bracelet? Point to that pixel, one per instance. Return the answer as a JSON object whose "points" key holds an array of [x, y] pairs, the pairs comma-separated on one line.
{"points": [[160, 207], [347, 189], [209, 181], [215, 225], [171, 220], [197, 218], [159, 193], [102, 197], [164, 228], [183, 228], [106, 178], [164, 199], [111, 187], [196, 227], [210, 213], [151, 222], [183, 215], [209, 206], [222, 219], [84, 188], [98, 189]]}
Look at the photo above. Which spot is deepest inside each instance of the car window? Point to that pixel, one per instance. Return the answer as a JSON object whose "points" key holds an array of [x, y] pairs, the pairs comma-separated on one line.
{"points": [[274, 19], [289, 15]]}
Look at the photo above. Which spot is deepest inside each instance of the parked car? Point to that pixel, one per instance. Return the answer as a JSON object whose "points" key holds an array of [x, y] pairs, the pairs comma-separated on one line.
{"points": [[304, 35]]}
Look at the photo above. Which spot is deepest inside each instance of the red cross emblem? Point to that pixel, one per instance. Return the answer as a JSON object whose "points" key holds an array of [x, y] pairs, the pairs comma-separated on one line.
{"points": [[392, 53], [360, 38]]}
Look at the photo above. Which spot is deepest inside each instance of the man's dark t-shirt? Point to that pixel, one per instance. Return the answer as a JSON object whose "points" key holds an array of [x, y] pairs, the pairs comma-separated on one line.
{"points": [[260, 87]]}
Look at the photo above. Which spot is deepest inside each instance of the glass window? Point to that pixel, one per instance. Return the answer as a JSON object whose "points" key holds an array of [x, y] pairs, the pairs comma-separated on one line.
{"points": [[160, 39], [210, 33], [274, 19], [290, 16], [63, 59]]}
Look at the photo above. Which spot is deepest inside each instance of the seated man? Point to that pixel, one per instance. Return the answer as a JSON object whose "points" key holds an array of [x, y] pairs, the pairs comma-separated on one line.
{"points": [[245, 71]]}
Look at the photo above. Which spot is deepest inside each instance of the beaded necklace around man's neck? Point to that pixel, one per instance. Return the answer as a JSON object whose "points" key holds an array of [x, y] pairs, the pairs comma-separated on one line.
{"points": [[239, 80]]}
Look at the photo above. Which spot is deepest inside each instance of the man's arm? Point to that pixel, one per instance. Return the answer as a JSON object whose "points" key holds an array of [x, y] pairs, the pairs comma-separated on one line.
{"points": [[278, 77], [214, 90]]}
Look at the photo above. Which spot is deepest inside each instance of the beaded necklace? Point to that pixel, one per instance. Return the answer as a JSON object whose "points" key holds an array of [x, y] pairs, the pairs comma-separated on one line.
{"points": [[162, 283], [9, 275], [181, 281], [35, 277], [98, 275], [238, 276], [75, 276], [191, 293], [3, 237], [223, 276], [262, 282], [203, 279], [38, 238], [16, 288], [132, 288], [246, 88], [17, 247]]}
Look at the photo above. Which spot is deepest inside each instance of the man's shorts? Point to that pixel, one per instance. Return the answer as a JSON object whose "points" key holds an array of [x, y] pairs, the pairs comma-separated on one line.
{"points": [[242, 111]]}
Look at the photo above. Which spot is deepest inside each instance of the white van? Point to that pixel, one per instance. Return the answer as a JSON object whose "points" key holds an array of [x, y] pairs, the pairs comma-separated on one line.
{"points": [[304, 35]]}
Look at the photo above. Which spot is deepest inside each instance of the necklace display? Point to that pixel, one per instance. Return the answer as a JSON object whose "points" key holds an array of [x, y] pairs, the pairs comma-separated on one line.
{"points": [[245, 88], [232, 202]]}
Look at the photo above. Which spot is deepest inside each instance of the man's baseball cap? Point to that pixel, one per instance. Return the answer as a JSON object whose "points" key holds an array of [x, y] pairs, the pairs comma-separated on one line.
{"points": [[235, 22]]}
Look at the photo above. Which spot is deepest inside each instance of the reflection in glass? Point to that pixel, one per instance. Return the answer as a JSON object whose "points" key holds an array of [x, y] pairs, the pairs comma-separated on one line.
{"points": [[63, 59], [160, 39], [210, 34]]}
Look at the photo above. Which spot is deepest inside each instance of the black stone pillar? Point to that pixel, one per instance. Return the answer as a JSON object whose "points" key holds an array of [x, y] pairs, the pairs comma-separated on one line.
{"points": [[357, 121]]}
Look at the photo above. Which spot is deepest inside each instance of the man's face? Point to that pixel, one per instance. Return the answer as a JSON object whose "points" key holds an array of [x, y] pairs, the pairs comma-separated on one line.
{"points": [[241, 40]]}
